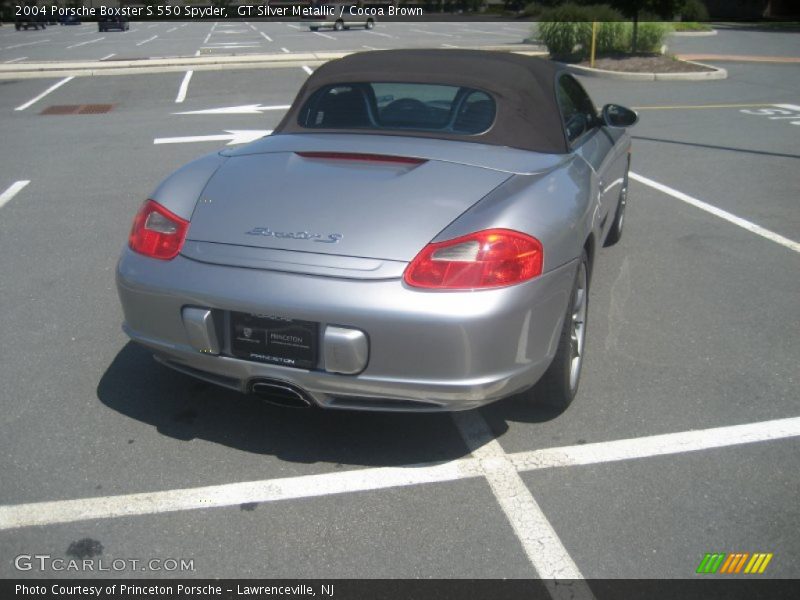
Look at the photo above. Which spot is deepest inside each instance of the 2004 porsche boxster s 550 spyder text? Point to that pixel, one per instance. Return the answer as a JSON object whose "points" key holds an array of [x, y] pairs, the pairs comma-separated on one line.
{"points": [[416, 235]]}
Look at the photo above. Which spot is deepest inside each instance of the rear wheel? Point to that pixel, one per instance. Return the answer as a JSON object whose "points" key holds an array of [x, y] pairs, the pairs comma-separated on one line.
{"points": [[338, 26], [559, 385], [615, 233], [370, 24]]}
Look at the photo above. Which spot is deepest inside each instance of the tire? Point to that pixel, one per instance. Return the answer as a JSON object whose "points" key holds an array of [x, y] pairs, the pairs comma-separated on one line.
{"points": [[370, 24], [313, 28], [559, 385], [338, 26], [615, 232]]}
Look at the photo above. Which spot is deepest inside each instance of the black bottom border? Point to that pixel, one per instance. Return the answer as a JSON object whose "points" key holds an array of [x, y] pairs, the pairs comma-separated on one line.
{"points": [[702, 588]]}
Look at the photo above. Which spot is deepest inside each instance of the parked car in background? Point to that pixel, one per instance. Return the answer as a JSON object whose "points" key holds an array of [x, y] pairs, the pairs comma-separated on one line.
{"points": [[111, 23], [341, 17], [30, 23]]}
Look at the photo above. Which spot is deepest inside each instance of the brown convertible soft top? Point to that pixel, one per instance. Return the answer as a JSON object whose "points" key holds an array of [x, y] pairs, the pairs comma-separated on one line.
{"points": [[523, 87]]}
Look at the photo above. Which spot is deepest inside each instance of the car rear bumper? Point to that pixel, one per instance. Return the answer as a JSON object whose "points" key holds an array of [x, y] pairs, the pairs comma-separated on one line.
{"points": [[427, 351]]}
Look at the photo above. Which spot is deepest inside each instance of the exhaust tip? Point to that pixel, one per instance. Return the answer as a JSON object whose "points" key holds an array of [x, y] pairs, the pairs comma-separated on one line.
{"points": [[280, 393]]}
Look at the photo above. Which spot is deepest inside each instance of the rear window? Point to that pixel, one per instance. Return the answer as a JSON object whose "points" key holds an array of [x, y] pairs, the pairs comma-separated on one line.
{"points": [[399, 106]]}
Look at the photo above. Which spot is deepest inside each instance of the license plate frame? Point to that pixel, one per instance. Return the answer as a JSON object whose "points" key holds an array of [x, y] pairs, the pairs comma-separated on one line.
{"points": [[274, 340]]}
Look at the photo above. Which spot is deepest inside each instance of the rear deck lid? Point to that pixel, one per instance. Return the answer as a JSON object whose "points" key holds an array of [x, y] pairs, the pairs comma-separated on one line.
{"points": [[344, 204]]}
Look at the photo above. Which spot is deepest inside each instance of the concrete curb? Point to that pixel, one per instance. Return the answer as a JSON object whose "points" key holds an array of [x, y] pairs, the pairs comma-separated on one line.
{"points": [[716, 73], [195, 63], [693, 33]]}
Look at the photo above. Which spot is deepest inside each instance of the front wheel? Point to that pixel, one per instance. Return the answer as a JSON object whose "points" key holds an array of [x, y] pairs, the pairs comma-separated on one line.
{"points": [[559, 385], [338, 26], [370, 24]]}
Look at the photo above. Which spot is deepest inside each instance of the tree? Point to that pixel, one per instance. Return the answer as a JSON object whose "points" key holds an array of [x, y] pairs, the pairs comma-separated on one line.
{"points": [[632, 8]]}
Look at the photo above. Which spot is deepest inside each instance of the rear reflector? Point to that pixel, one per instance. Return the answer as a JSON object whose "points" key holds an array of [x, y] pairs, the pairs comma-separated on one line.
{"points": [[384, 158], [485, 259]]}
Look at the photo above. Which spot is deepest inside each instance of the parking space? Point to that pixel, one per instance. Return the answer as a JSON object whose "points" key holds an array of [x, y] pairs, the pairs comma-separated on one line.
{"points": [[692, 326], [656, 518], [168, 39], [350, 536]]}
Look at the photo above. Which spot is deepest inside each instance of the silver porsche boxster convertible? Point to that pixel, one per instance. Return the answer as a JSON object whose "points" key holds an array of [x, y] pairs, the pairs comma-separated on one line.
{"points": [[417, 234]]}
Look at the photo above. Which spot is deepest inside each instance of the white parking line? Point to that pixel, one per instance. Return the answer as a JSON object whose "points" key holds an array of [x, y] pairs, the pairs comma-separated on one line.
{"points": [[538, 538], [13, 60], [381, 34], [171, 30], [52, 88], [270, 490], [285, 50], [108, 56], [432, 32], [718, 212], [184, 87], [308, 69], [307, 486], [325, 35], [26, 44], [489, 32], [100, 39], [265, 36], [12, 191], [150, 39], [657, 445]]}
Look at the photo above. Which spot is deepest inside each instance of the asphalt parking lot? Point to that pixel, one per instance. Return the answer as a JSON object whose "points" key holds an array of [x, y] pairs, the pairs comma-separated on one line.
{"points": [[684, 438], [165, 39]]}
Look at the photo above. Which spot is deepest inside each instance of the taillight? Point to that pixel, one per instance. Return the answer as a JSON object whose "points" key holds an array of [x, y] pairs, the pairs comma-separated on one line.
{"points": [[486, 259], [157, 232]]}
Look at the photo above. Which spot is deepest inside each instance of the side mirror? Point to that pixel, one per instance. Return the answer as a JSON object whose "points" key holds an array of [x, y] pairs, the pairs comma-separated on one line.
{"points": [[615, 115]]}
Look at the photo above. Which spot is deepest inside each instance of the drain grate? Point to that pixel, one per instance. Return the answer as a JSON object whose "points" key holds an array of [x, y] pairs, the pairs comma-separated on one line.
{"points": [[77, 109]]}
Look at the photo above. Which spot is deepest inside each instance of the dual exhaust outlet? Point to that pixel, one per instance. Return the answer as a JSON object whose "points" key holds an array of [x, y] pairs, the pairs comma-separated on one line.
{"points": [[280, 393]]}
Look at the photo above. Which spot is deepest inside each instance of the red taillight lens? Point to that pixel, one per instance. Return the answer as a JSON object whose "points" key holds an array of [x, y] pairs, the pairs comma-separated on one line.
{"points": [[486, 259], [157, 232]]}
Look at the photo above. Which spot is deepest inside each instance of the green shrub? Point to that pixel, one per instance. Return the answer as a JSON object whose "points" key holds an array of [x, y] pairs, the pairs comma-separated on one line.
{"points": [[602, 13], [613, 37], [651, 36], [533, 9], [694, 10], [691, 26], [562, 38], [563, 28]]}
